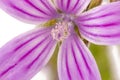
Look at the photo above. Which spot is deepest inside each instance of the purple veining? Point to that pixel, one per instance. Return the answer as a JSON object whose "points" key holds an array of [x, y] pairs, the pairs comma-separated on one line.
{"points": [[41, 53], [82, 54], [76, 62], [48, 6], [67, 64], [27, 54], [102, 25], [102, 35], [20, 10], [68, 4], [76, 4], [30, 3]]}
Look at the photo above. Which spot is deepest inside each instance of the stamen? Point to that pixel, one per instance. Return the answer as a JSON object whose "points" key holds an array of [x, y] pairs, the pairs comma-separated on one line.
{"points": [[61, 31]]}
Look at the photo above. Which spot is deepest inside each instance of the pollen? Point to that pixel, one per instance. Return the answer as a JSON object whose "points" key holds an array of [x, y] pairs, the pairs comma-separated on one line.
{"points": [[61, 31]]}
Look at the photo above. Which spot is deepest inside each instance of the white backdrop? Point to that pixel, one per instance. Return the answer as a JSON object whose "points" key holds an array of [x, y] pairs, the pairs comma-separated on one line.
{"points": [[10, 27]]}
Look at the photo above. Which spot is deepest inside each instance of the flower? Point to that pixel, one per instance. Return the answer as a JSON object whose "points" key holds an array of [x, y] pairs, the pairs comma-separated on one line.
{"points": [[113, 0], [28, 53]]}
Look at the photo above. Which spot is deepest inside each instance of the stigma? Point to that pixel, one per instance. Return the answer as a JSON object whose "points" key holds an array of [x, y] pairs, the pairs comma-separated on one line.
{"points": [[61, 31]]}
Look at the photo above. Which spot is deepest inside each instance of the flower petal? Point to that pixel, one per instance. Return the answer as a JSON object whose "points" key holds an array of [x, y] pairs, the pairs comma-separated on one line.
{"points": [[75, 61], [101, 25], [24, 56], [31, 11], [72, 6]]}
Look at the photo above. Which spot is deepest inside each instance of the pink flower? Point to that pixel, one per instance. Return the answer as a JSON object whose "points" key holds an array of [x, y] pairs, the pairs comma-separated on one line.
{"points": [[27, 54]]}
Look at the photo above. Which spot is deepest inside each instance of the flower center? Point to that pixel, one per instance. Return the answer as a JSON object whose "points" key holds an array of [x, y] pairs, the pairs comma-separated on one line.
{"points": [[61, 31], [67, 17]]}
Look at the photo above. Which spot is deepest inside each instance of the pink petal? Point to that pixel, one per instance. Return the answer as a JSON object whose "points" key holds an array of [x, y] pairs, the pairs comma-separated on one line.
{"points": [[24, 56], [31, 11], [101, 25], [75, 61], [72, 6]]}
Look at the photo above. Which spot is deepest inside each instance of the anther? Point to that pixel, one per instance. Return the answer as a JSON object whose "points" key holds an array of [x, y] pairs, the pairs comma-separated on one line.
{"points": [[61, 31]]}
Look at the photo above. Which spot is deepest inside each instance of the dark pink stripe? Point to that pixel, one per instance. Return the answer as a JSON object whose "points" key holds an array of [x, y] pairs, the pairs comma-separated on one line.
{"points": [[35, 32], [35, 47], [75, 5], [21, 45], [76, 62], [31, 4], [68, 4], [61, 55], [101, 25], [101, 35], [67, 64], [24, 12], [87, 18], [82, 54], [47, 7], [62, 3], [22, 58], [40, 54], [34, 37], [87, 13], [46, 56], [7, 70]]}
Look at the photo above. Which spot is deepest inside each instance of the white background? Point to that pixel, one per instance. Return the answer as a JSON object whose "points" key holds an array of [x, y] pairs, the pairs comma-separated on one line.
{"points": [[9, 28]]}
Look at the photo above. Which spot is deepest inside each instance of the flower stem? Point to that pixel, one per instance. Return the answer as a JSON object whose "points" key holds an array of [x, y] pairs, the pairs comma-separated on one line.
{"points": [[114, 59]]}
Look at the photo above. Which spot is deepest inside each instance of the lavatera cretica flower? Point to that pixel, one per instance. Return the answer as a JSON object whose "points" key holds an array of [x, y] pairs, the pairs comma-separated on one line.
{"points": [[27, 54]]}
